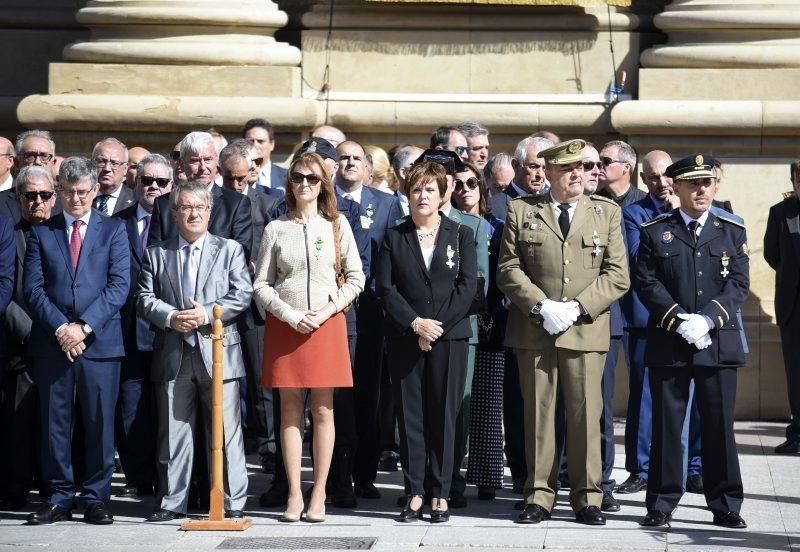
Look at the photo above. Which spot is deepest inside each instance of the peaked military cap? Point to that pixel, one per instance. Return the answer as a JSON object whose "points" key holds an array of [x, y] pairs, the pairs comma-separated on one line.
{"points": [[564, 153], [692, 168], [448, 159], [321, 147]]}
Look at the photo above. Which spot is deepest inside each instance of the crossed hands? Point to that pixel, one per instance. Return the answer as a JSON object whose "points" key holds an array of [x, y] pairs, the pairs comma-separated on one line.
{"points": [[428, 330], [313, 319], [187, 320], [71, 339], [558, 316], [695, 330]]}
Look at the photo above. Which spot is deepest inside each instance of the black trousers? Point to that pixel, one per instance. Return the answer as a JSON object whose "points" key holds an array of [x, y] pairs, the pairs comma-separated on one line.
{"points": [[260, 414], [136, 418], [19, 428], [791, 361], [514, 420], [715, 393], [340, 478], [607, 418], [428, 389]]}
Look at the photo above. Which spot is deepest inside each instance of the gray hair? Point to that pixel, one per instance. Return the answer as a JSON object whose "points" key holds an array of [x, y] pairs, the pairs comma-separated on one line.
{"points": [[500, 160], [36, 133], [625, 152], [110, 140], [238, 148], [197, 189], [153, 159], [404, 156], [470, 129], [521, 152], [28, 173], [75, 169], [193, 141]]}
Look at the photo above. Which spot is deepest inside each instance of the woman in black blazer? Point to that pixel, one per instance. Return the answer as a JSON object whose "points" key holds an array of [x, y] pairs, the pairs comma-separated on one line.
{"points": [[426, 281]]}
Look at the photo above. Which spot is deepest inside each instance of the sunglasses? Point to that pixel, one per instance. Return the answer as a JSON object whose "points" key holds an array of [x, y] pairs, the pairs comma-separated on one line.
{"points": [[471, 183], [461, 150], [606, 161], [31, 196], [148, 181], [589, 165], [298, 178]]}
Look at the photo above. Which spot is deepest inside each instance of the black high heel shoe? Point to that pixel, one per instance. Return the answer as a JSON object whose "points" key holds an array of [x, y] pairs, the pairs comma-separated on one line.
{"points": [[438, 515], [408, 514]]}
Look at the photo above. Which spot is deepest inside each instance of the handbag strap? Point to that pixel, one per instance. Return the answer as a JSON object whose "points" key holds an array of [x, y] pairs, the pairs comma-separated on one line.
{"points": [[337, 246]]}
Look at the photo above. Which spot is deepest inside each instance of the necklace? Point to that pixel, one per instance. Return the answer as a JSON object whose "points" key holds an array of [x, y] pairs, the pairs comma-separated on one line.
{"points": [[424, 235]]}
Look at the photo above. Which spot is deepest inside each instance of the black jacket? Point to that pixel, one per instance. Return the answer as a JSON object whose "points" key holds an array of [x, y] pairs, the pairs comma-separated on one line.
{"points": [[782, 252], [445, 292]]}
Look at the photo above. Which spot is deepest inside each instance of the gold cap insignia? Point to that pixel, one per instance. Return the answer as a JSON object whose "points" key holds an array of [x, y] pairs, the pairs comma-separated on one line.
{"points": [[574, 147], [312, 147], [698, 160]]}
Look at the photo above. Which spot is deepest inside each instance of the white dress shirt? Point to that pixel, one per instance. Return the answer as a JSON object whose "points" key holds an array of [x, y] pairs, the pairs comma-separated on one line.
{"points": [[111, 202], [194, 258], [8, 184], [557, 210], [701, 221], [355, 195], [70, 220]]}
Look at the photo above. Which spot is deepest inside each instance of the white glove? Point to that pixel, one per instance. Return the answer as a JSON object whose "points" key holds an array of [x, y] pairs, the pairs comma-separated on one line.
{"points": [[558, 317], [703, 342], [694, 327]]}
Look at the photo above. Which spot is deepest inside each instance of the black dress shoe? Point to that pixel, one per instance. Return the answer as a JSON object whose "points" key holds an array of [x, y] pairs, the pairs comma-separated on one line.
{"points": [[519, 505], [49, 514], [694, 484], [533, 513], [165, 515], [275, 497], [128, 491], [590, 515], [13, 502], [367, 491], [609, 503], [790, 446], [440, 516], [408, 514], [633, 484], [234, 514], [457, 500], [655, 518], [388, 461], [96, 513], [731, 520]]}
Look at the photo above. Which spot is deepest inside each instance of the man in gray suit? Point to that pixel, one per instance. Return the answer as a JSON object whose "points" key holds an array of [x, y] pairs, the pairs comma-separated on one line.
{"points": [[182, 279]]}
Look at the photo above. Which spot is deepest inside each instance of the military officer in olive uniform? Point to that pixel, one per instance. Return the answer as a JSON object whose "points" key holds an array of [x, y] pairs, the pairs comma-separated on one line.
{"points": [[562, 263], [692, 274]]}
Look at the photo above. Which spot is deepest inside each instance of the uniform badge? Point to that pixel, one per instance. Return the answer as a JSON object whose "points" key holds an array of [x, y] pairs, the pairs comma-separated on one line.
{"points": [[716, 223], [370, 211], [574, 147], [745, 250], [698, 160], [312, 147], [366, 222], [596, 242], [598, 210], [725, 262], [667, 237], [450, 253]]}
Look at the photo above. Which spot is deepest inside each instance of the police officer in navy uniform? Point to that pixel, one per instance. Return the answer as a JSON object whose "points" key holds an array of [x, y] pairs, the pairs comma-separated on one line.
{"points": [[693, 334]]}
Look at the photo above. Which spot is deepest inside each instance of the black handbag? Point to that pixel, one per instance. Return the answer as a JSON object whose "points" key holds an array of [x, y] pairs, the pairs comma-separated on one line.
{"points": [[479, 303]]}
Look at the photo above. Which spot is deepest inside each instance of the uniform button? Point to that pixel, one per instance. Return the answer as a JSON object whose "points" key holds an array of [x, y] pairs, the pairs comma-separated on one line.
{"points": [[428, 301], [530, 238], [566, 280], [699, 273], [566, 261], [699, 292], [565, 299], [698, 254], [566, 244]]}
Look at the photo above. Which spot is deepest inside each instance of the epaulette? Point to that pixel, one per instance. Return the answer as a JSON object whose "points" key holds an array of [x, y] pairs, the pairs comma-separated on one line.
{"points": [[603, 198], [659, 218], [726, 219]]}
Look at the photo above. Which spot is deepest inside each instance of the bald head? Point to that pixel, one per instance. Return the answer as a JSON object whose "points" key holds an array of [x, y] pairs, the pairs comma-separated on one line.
{"points": [[654, 167], [329, 133], [6, 158], [135, 154]]}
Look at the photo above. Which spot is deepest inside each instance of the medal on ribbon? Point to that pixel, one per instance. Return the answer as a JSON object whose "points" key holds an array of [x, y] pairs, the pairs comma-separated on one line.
{"points": [[596, 242], [450, 253], [318, 246], [726, 260], [370, 211]]}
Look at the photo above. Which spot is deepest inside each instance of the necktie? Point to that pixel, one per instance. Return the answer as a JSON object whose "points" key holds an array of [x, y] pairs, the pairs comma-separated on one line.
{"points": [[693, 229], [146, 229], [348, 196], [563, 219], [188, 283], [101, 204], [75, 243]]}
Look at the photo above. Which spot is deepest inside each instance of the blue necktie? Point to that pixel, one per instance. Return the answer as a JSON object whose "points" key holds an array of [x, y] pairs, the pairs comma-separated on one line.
{"points": [[101, 204]]}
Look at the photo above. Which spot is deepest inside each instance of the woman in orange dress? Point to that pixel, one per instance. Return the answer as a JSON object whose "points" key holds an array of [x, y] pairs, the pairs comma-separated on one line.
{"points": [[305, 336]]}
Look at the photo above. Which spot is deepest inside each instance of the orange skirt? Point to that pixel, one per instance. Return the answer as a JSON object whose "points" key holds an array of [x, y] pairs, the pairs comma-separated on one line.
{"points": [[318, 359]]}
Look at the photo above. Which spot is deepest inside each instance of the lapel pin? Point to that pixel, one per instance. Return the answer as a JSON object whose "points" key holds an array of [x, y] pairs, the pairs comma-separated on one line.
{"points": [[716, 223], [596, 242], [450, 253]]}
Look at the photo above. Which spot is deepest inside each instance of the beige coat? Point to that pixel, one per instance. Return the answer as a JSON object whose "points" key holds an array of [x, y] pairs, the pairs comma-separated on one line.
{"points": [[537, 263]]}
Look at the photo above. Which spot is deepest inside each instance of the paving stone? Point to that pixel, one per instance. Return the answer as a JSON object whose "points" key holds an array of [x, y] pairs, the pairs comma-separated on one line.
{"points": [[514, 536]]}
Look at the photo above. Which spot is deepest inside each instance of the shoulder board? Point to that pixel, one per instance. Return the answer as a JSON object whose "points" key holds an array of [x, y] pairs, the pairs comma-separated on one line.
{"points": [[731, 221], [595, 197], [659, 218]]}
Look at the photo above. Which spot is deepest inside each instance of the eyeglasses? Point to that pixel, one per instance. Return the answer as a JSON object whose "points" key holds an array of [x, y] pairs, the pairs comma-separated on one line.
{"points": [[32, 155], [298, 178], [186, 209], [31, 196], [471, 182], [461, 150], [589, 165], [148, 181], [606, 161], [101, 162], [175, 155], [81, 194]]}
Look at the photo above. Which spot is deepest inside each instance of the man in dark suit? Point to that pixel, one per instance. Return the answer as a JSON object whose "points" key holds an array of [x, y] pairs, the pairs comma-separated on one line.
{"points": [[692, 274], [357, 448], [782, 252], [234, 169], [261, 134], [77, 277], [529, 177], [135, 439], [19, 409], [231, 215], [618, 160], [110, 156]]}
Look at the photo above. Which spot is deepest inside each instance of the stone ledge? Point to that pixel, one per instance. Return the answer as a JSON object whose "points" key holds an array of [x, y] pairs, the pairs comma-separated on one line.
{"points": [[719, 84]]}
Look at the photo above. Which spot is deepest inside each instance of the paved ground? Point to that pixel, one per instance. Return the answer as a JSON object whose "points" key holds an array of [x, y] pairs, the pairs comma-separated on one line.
{"points": [[771, 508]]}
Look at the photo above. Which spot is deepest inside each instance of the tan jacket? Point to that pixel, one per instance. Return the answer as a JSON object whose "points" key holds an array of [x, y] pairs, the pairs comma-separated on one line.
{"points": [[537, 263]]}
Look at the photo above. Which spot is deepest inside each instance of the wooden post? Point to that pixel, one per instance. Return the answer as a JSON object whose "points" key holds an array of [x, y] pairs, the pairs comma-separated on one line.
{"points": [[216, 517]]}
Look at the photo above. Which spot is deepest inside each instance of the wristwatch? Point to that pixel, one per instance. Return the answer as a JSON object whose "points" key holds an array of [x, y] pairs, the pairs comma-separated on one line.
{"points": [[87, 329], [536, 310]]}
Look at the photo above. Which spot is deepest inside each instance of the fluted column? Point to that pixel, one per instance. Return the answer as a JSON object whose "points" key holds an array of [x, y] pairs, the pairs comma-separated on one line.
{"points": [[185, 32], [727, 34]]}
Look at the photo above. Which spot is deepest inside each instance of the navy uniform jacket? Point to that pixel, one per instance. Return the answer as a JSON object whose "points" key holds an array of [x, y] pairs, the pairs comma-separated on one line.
{"points": [[674, 276]]}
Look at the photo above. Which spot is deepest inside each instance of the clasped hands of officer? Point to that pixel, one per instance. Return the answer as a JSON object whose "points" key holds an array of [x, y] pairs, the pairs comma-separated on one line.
{"points": [[557, 317], [428, 330], [695, 329]]}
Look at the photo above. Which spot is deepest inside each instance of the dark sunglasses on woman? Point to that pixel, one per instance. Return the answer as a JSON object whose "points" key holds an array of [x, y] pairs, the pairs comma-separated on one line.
{"points": [[297, 178], [471, 182]]}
